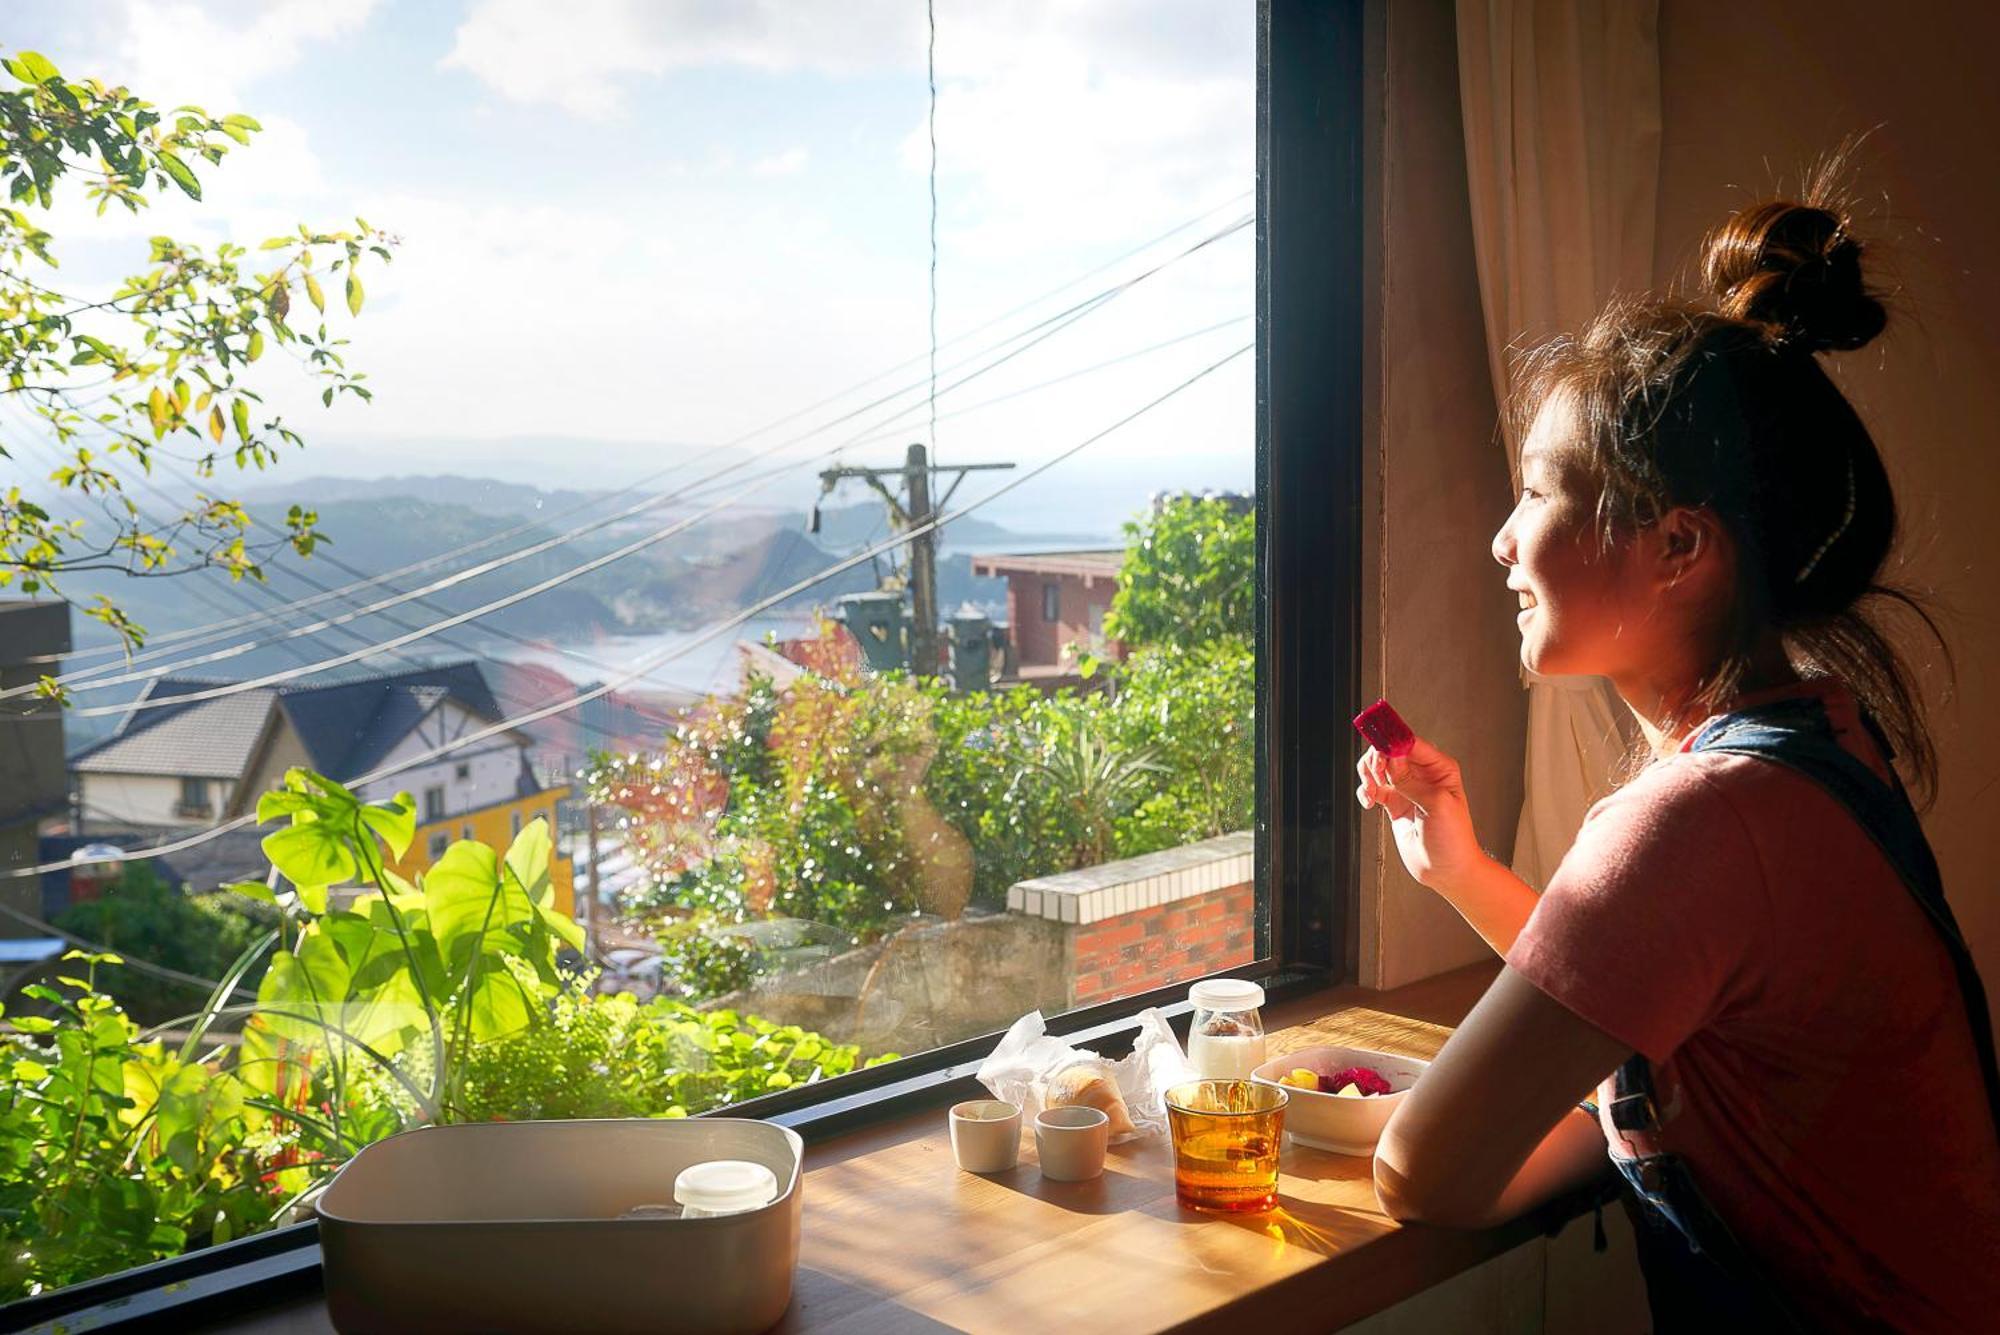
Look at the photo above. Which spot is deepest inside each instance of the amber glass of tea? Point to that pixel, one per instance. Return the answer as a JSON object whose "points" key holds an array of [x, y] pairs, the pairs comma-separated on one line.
{"points": [[1226, 1136]]}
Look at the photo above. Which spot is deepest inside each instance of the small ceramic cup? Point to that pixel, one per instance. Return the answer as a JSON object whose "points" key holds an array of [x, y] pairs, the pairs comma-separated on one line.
{"points": [[1070, 1143], [986, 1135]]}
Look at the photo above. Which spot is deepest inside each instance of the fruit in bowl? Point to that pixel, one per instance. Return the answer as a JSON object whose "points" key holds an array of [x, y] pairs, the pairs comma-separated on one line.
{"points": [[1341, 1097]]}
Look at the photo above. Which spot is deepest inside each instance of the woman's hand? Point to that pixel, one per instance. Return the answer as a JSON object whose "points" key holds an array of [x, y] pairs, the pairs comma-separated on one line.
{"points": [[1424, 795]]}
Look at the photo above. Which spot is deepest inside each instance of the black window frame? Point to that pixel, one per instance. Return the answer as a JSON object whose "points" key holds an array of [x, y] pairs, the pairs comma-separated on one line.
{"points": [[1309, 439]]}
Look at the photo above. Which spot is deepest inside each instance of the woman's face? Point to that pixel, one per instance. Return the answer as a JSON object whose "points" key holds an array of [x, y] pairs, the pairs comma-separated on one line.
{"points": [[1577, 593]]}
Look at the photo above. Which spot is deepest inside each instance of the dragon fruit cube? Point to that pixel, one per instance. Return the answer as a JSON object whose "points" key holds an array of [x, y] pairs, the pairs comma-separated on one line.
{"points": [[1366, 1081], [1385, 730]]}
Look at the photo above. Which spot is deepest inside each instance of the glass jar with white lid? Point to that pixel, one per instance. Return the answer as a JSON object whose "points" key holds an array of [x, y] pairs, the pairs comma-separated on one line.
{"points": [[1226, 1035]]}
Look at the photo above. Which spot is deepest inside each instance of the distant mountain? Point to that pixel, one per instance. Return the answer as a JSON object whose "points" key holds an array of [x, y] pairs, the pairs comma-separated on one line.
{"points": [[485, 495], [692, 578]]}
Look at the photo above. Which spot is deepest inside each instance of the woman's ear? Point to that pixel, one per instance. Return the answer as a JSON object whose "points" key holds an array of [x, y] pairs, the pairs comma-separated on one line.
{"points": [[1687, 544]]}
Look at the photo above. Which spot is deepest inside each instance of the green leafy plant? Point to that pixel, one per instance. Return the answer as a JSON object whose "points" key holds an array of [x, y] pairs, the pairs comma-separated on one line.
{"points": [[1098, 779], [156, 371], [113, 1150], [1188, 574], [466, 956], [617, 1057]]}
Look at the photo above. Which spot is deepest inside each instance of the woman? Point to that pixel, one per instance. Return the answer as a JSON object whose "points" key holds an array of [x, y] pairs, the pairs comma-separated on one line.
{"points": [[1744, 950]]}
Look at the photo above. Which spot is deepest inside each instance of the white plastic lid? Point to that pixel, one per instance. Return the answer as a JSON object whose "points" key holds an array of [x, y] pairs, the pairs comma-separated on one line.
{"points": [[726, 1185], [1226, 994]]}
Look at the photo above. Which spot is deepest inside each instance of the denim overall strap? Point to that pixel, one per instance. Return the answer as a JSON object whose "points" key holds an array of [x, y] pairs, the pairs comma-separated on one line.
{"points": [[1697, 1274], [1796, 734]]}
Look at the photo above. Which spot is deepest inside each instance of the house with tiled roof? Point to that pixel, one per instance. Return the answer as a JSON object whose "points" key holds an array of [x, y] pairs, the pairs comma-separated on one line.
{"points": [[189, 765], [195, 763]]}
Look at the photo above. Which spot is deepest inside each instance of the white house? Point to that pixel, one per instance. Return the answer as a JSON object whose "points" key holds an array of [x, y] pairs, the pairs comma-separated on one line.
{"points": [[192, 765]]}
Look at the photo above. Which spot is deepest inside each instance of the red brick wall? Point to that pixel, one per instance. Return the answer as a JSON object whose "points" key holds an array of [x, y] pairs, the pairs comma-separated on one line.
{"points": [[1115, 957]]}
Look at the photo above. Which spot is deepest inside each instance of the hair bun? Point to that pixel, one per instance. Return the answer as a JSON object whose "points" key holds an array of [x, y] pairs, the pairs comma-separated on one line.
{"points": [[1794, 269]]}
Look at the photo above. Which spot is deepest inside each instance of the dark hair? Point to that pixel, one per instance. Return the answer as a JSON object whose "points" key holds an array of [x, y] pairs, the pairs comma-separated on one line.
{"points": [[1720, 401]]}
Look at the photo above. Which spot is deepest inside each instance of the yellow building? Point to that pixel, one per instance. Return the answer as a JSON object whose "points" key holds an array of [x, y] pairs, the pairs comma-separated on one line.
{"points": [[495, 825]]}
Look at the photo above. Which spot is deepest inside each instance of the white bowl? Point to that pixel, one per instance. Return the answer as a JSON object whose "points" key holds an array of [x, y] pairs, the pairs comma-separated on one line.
{"points": [[1335, 1122]]}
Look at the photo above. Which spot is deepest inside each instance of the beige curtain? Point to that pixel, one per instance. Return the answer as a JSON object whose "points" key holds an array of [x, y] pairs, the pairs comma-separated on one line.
{"points": [[1562, 143]]}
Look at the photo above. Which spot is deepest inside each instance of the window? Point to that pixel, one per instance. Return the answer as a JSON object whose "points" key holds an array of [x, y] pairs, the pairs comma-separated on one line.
{"points": [[194, 797], [462, 770], [767, 762]]}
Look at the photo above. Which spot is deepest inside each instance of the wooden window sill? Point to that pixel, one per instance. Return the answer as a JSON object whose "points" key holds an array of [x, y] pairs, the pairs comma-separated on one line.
{"points": [[897, 1239]]}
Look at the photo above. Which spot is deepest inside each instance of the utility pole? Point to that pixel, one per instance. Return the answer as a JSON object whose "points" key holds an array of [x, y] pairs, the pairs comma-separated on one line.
{"points": [[923, 565], [913, 512], [593, 903]]}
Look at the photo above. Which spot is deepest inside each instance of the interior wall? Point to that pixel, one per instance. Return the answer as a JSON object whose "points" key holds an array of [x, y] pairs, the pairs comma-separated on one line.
{"points": [[1744, 106], [1440, 641]]}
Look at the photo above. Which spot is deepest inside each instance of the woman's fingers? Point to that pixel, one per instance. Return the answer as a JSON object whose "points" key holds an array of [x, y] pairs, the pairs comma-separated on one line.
{"points": [[1377, 789]]}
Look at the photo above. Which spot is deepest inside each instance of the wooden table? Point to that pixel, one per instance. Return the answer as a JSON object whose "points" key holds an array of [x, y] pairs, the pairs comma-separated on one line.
{"points": [[897, 1239]]}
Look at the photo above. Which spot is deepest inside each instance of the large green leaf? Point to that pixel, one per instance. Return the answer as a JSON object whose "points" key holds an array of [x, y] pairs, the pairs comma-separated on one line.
{"points": [[310, 853], [395, 821], [388, 1015], [465, 902], [500, 1004], [528, 858]]}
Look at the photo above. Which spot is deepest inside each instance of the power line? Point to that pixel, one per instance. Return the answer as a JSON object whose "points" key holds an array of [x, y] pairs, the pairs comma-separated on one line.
{"points": [[648, 662], [1045, 330], [652, 539], [897, 432], [159, 642]]}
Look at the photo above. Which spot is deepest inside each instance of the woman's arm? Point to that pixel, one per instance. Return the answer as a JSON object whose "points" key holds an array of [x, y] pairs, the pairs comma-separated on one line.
{"points": [[1492, 1128], [1424, 794], [1492, 900]]}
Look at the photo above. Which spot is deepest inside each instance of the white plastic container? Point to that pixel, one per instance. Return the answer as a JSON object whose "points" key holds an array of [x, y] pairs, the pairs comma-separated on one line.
{"points": [[1226, 1035], [555, 1226], [724, 1186]]}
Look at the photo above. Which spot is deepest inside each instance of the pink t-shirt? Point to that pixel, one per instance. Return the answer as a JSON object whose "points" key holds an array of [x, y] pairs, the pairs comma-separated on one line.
{"points": [[1728, 919]]}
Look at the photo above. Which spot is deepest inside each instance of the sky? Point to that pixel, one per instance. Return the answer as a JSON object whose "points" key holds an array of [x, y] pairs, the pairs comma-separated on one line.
{"points": [[630, 228]]}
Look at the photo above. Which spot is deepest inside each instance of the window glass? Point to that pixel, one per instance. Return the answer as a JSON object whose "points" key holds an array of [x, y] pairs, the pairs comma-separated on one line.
{"points": [[818, 649]]}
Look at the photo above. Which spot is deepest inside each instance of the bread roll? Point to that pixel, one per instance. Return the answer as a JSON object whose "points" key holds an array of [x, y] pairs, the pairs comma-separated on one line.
{"points": [[1088, 1086]]}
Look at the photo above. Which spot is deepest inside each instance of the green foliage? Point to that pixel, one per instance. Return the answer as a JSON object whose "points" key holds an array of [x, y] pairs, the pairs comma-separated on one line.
{"points": [[699, 962], [983, 781], [113, 1151], [146, 918], [1193, 708], [615, 1057], [1188, 576], [387, 1003], [168, 347], [799, 804]]}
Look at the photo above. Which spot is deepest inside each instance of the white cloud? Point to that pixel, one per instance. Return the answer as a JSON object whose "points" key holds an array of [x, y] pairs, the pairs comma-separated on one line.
{"points": [[577, 55], [207, 53], [788, 163]]}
